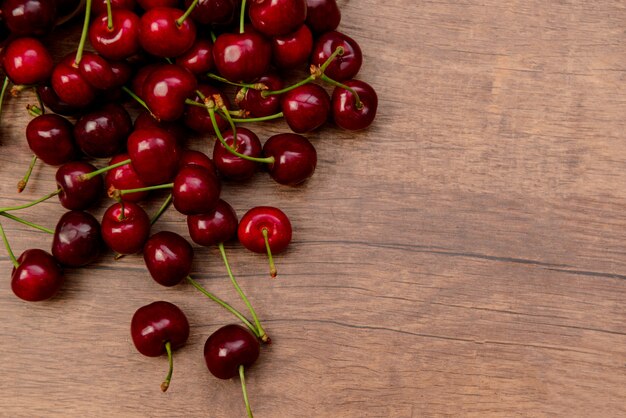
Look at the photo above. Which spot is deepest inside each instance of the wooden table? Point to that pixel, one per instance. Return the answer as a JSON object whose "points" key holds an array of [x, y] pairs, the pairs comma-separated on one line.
{"points": [[463, 256]]}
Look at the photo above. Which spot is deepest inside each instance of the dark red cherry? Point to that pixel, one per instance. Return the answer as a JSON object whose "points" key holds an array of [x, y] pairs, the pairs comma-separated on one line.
{"points": [[77, 240], [305, 108], [122, 72], [52, 101], [196, 190], [96, 71], [99, 7], [38, 276], [199, 58], [214, 227], [277, 17], [322, 15], [242, 56], [145, 121], [193, 157], [125, 231], [27, 61], [154, 154], [162, 36], [103, 132], [166, 89], [228, 348], [271, 219], [70, 85], [168, 257], [141, 76], [343, 67], [50, 138], [151, 4], [232, 166], [120, 42], [29, 17], [295, 158], [292, 50], [76, 192], [346, 113], [125, 178], [213, 12], [198, 119], [252, 101]]}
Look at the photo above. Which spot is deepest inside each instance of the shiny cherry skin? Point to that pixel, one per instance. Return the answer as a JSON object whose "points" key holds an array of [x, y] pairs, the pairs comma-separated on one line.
{"points": [[292, 50], [228, 348], [29, 17], [151, 4], [196, 190], [77, 240], [253, 102], [27, 61], [277, 17], [242, 56], [160, 34], [214, 227], [125, 232], [96, 71], [199, 58], [345, 112], [76, 193], [157, 323], [141, 76], [52, 101], [103, 132], [322, 15], [236, 168], [295, 158], [70, 85], [306, 108], [145, 120], [274, 220], [198, 119], [343, 67], [213, 12], [125, 178], [154, 154], [51, 139], [193, 157], [166, 89], [38, 277], [120, 42], [99, 7], [168, 257]]}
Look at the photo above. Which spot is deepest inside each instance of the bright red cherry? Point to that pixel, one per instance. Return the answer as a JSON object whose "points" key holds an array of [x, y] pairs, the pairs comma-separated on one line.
{"points": [[344, 66], [78, 193], [29, 17], [168, 257], [77, 239], [50, 138], [305, 108], [70, 85], [242, 56], [277, 17], [295, 158], [253, 102], [196, 190], [232, 166], [38, 276], [146, 121], [166, 89], [27, 61], [120, 42], [96, 71], [347, 113], [199, 58], [214, 227], [125, 228], [228, 348], [160, 33], [213, 12], [193, 157], [293, 49], [124, 178], [198, 119], [154, 154], [322, 15], [103, 132]]}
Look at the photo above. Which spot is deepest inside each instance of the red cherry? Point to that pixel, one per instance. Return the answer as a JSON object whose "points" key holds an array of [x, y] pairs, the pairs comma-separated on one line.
{"points": [[29, 17], [38, 276], [168, 257], [160, 33], [77, 239], [126, 230], [140, 78], [146, 121], [193, 157], [274, 220], [52, 101], [228, 348], [196, 190], [103, 132], [258, 106], [70, 85], [120, 42], [232, 166], [166, 89], [305, 108], [214, 227], [293, 49], [242, 56], [199, 58], [50, 138], [124, 178], [213, 12], [346, 113], [154, 154], [96, 71], [277, 17], [76, 192], [198, 119], [27, 61], [295, 158], [344, 66], [322, 15]]}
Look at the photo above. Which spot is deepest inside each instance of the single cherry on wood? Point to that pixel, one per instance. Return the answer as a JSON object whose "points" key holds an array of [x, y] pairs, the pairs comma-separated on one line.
{"points": [[346, 65], [295, 158], [37, 276], [168, 257], [76, 192], [195, 190], [354, 112], [125, 227], [232, 166], [214, 227], [51, 139], [77, 240], [306, 107]]}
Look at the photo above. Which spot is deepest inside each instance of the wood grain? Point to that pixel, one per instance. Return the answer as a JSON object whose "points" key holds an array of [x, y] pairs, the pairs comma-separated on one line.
{"points": [[462, 257]]}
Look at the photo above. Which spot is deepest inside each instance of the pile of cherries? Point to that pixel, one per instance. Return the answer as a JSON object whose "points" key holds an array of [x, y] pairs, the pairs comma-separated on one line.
{"points": [[178, 62]]}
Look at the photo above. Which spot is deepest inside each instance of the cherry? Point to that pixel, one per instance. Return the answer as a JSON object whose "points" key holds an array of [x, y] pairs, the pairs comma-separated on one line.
{"points": [[305, 108], [214, 227], [197, 118], [77, 193], [121, 40], [37, 276], [103, 132], [253, 102], [346, 65], [165, 32], [140, 78], [125, 227], [322, 15], [165, 91], [232, 166], [295, 158], [124, 177], [54, 103], [292, 50], [100, 6], [350, 114], [154, 153], [159, 328], [193, 157], [146, 121], [70, 85], [265, 229], [277, 17], [168, 257], [51, 140], [199, 58], [96, 71], [27, 61], [242, 56], [196, 190], [151, 4], [29, 17], [213, 12], [77, 239]]}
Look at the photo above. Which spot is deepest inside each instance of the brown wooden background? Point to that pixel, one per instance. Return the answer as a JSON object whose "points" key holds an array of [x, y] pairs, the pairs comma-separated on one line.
{"points": [[463, 256]]}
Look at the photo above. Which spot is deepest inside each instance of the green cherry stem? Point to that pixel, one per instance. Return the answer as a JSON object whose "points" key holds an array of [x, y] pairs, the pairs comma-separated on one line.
{"points": [[273, 271], [261, 332], [184, 17], [139, 100], [4, 90], [161, 210], [42, 108], [83, 35], [224, 305], [25, 222], [21, 185], [117, 193], [213, 36], [8, 247], [34, 110], [255, 86], [357, 100], [242, 377], [33, 203], [261, 119], [242, 16], [170, 361], [109, 16], [89, 176]]}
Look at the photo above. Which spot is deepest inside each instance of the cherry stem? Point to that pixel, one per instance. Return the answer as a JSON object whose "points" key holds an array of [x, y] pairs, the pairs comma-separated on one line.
{"points": [[255, 86], [41, 108], [261, 332], [89, 176], [83, 35], [182, 19], [273, 271], [242, 377], [109, 16], [146, 189], [33, 203], [8, 247], [261, 119], [213, 37], [4, 89], [34, 110], [139, 100], [161, 210], [357, 100], [21, 185], [223, 305], [170, 360], [242, 16], [25, 222]]}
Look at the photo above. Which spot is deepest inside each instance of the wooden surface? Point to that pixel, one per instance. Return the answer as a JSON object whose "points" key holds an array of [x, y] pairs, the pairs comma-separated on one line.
{"points": [[464, 256]]}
